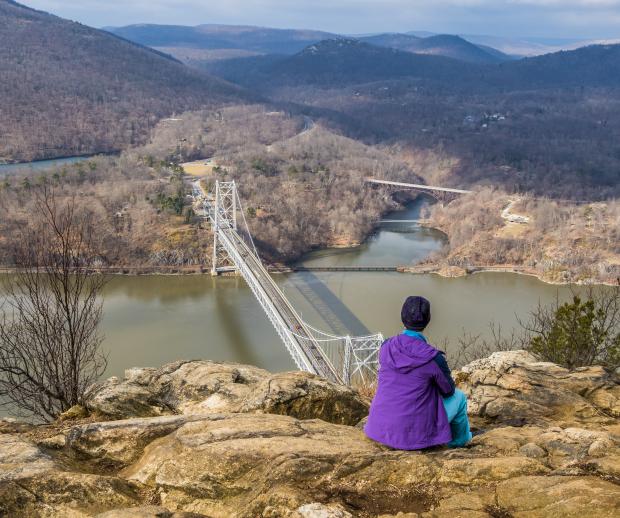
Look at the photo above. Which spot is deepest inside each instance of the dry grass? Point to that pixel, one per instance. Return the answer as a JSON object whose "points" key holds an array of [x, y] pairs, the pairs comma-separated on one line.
{"points": [[199, 167]]}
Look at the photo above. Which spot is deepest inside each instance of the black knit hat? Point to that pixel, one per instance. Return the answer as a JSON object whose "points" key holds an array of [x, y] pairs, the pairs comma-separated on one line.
{"points": [[416, 313]]}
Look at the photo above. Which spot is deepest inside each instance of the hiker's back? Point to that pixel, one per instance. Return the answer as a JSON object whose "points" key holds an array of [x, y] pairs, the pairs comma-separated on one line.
{"points": [[407, 411]]}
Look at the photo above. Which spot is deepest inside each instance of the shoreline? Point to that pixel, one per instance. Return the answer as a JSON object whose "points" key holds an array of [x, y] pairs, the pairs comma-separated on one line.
{"points": [[445, 272], [38, 161], [425, 269]]}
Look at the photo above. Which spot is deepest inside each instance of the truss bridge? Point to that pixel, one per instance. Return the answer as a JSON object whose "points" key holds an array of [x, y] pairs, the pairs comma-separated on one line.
{"points": [[341, 359]]}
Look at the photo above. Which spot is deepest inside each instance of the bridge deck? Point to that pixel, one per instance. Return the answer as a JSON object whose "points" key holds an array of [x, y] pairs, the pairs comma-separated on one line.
{"points": [[417, 186], [299, 332], [306, 352]]}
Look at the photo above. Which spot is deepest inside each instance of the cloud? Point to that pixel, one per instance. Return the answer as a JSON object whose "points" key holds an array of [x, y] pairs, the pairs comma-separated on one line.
{"points": [[552, 18]]}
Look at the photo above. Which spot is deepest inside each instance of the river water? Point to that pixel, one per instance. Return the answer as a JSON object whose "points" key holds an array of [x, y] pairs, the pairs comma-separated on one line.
{"points": [[156, 319], [152, 320], [39, 166]]}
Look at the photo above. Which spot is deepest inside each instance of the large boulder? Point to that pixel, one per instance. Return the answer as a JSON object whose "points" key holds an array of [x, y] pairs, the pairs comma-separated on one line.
{"points": [[550, 448], [252, 463], [514, 387], [176, 388], [34, 484], [203, 387]]}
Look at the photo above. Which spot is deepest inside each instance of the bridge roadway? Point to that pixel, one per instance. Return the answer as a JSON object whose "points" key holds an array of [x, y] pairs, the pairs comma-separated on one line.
{"points": [[299, 340], [417, 186]]}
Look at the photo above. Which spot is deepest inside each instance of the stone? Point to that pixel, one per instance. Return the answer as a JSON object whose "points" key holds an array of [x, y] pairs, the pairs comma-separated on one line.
{"points": [[318, 510], [33, 483], [305, 396], [19, 459], [532, 450], [246, 462], [115, 444], [149, 511], [174, 389], [483, 470], [559, 496], [60, 493], [202, 387], [270, 450], [515, 385]]}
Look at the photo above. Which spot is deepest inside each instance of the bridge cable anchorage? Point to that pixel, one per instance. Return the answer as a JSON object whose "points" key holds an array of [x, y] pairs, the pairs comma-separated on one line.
{"points": [[341, 359]]}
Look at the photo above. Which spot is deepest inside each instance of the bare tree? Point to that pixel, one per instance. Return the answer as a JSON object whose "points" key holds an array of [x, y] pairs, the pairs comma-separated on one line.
{"points": [[470, 347], [49, 331]]}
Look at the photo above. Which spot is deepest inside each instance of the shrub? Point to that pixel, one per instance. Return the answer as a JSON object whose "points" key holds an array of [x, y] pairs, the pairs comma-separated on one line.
{"points": [[584, 331]]}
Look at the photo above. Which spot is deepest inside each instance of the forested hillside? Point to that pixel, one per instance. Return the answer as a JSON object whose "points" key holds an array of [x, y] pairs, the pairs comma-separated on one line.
{"points": [[67, 89], [548, 125], [341, 61]]}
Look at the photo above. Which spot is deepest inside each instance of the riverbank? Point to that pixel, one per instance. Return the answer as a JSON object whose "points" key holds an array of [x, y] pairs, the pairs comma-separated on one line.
{"points": [[559, 243], [424, 269], [456, 271], [203, 438]]}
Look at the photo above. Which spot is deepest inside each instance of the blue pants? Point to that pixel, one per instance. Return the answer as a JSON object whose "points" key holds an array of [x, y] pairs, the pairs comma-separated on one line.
{"points": [[456, 408]]}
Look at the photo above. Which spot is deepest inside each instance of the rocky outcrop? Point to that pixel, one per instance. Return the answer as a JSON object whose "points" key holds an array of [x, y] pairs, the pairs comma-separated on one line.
{"points": [[513, 387], [203, 387], [551, 447]]}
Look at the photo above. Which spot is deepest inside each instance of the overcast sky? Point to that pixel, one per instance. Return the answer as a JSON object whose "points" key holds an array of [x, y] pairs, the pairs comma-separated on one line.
{"points": [[542, 18]]}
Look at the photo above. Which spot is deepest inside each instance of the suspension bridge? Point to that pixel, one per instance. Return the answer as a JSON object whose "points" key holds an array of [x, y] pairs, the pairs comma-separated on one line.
{"points": [[341, 359]]}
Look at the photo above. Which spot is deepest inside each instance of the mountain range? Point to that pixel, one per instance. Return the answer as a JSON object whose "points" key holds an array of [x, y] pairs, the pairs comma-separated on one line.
{"points": [[341, 62], [213, 42], [439, 45]]}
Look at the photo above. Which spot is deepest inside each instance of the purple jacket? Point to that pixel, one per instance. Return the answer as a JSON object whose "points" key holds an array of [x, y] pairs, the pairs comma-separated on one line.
{"points": [[407, 412]]}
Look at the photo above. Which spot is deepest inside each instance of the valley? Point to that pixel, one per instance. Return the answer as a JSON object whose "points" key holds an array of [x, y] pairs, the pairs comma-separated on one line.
{"points": [[299, 260]]}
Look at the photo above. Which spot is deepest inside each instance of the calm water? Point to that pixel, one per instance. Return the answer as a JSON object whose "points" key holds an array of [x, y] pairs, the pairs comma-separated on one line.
{"points": [[153, 320], [41, 165]]}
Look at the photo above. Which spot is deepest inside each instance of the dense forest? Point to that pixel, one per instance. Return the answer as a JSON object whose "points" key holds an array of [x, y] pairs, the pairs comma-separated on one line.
{"points": [[67, 89], [547, 125], [302, 188], [543, 131]]}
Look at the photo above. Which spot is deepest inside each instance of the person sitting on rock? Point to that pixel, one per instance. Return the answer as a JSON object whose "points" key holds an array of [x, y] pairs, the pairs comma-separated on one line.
{"points": [[417, 404]]}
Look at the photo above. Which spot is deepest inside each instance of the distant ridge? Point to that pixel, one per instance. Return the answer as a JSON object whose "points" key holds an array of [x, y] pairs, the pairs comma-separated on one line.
{"points": [[341, 61], [177, 39], [256, 39], [345, 61], [439, 45]]}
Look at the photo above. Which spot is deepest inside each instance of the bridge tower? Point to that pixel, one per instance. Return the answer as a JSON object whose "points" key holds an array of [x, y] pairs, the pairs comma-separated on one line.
{"points": [[225, 217]]}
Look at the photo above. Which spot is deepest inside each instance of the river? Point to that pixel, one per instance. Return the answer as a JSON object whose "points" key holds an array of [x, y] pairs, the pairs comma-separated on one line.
{"points": [[156, 319], [152, 320], [38, 166]]}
